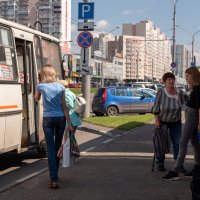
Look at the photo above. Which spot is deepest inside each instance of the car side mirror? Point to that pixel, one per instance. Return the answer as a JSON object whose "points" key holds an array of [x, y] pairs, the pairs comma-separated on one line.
{"points": [[142, 98]]}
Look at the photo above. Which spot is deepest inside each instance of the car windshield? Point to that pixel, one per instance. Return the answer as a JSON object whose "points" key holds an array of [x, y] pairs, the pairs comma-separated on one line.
{"points": [[154, 92]]}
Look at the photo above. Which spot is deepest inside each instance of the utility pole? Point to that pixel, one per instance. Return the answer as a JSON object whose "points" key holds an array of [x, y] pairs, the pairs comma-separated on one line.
{"points": [[102, 53], [137, 64], [86, 82], [193, 61], [152, 69], [102, 63], [174, 36]]}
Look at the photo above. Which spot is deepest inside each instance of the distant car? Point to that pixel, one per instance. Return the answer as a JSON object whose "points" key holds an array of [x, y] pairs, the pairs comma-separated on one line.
{"points": [[74, 85], [135, 85], [95, 84], [182, 88], [115, 100], [154, 86]]}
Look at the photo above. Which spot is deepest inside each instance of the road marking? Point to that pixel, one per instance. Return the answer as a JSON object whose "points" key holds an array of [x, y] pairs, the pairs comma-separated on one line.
{"points": [[127, 154], [22, 180], [91, 148], [10, 169], [104, 142]]}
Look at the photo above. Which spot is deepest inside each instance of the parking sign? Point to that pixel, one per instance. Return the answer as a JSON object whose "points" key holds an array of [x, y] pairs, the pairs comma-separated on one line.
{"points": [[86, 10]]}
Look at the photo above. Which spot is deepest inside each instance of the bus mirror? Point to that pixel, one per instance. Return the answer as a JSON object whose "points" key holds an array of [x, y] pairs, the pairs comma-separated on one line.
{"points": [[64, 65]]}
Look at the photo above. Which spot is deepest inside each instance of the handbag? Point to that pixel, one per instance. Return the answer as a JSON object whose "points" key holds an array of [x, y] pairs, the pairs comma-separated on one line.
{"points": [[161, 140], [66, 153], [74, 149]]}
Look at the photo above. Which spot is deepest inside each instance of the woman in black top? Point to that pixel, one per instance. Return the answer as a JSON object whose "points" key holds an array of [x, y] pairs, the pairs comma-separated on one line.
{"points": [[192, 123]]}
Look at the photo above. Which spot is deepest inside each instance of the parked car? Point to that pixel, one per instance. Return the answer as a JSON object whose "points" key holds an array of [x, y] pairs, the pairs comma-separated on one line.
{"points": [[115, 100], [74, 85], [154, 92]]}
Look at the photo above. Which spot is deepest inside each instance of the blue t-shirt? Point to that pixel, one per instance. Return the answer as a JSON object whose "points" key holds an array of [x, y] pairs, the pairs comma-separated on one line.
{"points": [[52, 99]]}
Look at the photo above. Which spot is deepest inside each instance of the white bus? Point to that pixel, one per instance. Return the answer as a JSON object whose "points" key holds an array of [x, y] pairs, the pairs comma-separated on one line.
{"points": [[23, 52]]}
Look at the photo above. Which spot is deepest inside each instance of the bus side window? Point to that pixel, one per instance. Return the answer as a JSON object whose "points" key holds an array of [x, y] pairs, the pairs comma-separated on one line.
{"points": [[38, 53]]}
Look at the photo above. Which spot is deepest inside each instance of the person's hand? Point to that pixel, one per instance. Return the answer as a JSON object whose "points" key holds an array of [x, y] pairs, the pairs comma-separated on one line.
{"points": [[157, 122], [199, 128], [70, 127]]}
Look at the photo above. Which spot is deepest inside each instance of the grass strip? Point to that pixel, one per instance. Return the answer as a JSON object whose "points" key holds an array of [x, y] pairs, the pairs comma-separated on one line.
{"points": [[121, 122]]}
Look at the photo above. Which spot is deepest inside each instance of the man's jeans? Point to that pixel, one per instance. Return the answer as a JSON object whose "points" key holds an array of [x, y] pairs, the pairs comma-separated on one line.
{"points": [[175, 131], [53, 129]]}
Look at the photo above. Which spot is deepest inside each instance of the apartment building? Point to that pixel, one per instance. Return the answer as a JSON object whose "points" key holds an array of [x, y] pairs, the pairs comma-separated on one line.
{"points": [[104, 42], [54, 15], [154, 56]]}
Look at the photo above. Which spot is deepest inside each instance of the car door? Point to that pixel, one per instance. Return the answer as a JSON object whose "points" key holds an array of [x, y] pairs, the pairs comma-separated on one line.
{"points": [[140, 102], [122, 100]]}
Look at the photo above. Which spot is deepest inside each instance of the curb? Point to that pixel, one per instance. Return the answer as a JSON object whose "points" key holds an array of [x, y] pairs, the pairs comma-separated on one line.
{"points": [[91, 130]]}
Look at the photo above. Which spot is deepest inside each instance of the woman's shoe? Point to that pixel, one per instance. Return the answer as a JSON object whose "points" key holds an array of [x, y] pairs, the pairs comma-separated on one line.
{"points": [[53, 185]]}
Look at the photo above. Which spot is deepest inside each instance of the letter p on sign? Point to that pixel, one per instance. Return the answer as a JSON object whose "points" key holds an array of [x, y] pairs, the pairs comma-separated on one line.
{"points": [[86, 11]]}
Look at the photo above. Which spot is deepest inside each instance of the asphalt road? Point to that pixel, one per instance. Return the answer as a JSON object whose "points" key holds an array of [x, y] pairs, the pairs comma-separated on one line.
{"points": [[111, 167]]}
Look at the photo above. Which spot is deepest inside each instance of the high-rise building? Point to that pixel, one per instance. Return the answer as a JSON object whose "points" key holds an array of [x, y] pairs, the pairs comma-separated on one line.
{"points": [[150, 48], [54, 16]]}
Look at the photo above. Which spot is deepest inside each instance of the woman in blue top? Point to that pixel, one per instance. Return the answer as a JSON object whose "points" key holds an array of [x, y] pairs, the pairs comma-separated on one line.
{"points": [[54, 119]]}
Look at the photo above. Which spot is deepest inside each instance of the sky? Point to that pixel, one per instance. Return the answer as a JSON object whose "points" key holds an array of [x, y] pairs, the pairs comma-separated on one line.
{"points": [[112, 13]]}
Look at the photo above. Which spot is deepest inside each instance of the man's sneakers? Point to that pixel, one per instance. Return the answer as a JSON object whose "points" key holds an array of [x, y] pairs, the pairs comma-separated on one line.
{"points": [[161, 168], [182, 170], [171, 176]]}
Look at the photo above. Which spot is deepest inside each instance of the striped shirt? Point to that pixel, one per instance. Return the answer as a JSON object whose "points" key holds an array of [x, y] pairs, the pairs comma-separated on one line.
{"points": [[168, 107]]}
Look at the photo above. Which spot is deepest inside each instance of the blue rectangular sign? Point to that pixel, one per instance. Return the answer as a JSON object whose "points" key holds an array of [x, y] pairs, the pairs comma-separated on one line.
{"points": [[86, 10]]}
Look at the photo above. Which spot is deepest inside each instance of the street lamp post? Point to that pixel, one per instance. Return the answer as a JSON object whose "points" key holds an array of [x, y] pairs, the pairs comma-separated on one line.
{"points": [[137, 64], [102, 55], [174, 32], [193, 35], [193, 64]]}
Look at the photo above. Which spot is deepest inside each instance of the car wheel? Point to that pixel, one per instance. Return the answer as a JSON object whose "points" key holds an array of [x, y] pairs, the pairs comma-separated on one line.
{"points": [[98, 114], [112, 111]]}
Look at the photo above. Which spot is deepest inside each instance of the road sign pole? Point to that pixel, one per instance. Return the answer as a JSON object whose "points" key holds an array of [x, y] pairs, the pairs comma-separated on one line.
{"points": [[86, 80]]}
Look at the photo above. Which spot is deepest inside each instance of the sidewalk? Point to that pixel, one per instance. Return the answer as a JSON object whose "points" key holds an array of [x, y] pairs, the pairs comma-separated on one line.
{"points": [[118, 168]]}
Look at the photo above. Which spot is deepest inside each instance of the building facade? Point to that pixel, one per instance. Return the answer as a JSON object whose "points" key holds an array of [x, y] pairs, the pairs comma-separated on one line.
{"points": [[54, 16], [152, 51]]}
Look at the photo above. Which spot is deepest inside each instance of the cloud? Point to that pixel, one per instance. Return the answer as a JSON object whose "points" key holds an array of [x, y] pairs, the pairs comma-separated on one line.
{"points": [[130, 12], [102, 24]]}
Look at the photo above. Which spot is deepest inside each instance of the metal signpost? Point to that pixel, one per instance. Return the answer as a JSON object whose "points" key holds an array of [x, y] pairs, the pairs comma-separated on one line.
{"points": [[85, 40]]}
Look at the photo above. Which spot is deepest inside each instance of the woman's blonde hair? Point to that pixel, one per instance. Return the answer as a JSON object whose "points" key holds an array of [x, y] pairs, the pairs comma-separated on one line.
{"points": [[194, 72], [48, 74]]}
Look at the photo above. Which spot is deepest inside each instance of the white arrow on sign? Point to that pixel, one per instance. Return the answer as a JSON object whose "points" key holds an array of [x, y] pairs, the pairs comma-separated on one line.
{"points": [[84, 71], [84, 57]]}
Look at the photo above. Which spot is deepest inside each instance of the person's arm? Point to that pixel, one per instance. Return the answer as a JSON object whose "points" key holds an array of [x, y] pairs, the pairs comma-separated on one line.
{"points": [[199, 121], [66, 111], [37, 96], [157, 121]]}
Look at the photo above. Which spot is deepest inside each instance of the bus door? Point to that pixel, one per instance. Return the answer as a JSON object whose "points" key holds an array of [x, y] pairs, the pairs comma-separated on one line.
{"points": [[26, 75]]}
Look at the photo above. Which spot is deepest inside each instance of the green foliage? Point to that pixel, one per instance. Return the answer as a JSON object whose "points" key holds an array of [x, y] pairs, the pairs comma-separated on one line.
{"points": [[78, 90], [121, 122]]}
